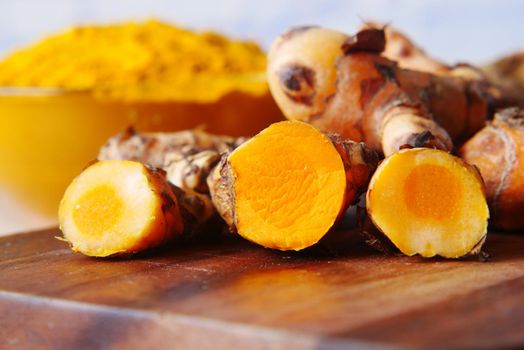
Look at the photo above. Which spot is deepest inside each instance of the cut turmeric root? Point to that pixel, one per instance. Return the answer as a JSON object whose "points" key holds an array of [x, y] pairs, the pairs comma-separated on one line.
{"points": [[287, 186], [429, 202], [118, 207]]}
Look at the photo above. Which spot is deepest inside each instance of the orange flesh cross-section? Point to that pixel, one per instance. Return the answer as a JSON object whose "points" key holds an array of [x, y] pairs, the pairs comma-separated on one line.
{"points": [[97, 211], [289, 186], [428, 202], [432, 191], [113, 207]]}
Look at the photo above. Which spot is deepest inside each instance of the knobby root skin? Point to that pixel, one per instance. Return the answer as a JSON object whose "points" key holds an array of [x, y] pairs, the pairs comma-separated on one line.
{"points": [[498, 152], [430, 203], [286, 187], [508, 71], [187, 156], [121, 207], [365, 91], [405, 52], [503, 86], [190, 172]]}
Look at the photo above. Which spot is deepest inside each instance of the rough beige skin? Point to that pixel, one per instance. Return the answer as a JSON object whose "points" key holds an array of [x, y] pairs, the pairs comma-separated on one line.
{"points": [[508, 71], [186, 156], [504, 78], [498, 152]]}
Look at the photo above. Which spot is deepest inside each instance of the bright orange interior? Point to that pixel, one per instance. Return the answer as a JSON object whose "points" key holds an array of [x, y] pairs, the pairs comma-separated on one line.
{"points": [[432, 191], [98, 211], [289, 186]]}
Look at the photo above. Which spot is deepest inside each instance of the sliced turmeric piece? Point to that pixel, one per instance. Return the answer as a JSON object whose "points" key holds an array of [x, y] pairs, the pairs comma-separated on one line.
{"points": [[287, 186], [117, 207], [429, 202]]}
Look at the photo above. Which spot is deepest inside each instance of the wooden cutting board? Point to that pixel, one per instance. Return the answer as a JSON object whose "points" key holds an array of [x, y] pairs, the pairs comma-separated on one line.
{"points": [[234, 295]]}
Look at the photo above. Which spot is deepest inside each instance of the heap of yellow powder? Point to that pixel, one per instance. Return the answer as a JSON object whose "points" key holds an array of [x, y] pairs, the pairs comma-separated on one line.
{"points": [[139, 61]]}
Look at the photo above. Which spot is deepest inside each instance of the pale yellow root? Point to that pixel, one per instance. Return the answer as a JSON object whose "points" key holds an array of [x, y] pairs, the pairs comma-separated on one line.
{"points": [[429, 202], [120, 207]]}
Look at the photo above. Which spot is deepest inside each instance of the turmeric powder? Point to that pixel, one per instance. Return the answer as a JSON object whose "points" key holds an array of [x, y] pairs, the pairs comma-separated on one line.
{"points": [[149, 61]]}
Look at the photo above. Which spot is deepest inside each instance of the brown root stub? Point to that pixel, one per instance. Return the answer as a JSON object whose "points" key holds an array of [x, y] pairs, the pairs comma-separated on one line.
{"points": [[121, 207], [498, 152], [369, 40], [429, 202], [401, 49], [287, 186], [363, 96], [220, 183]]}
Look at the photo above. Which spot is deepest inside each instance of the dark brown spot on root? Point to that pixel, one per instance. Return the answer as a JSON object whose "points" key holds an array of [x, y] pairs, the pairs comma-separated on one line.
{"points": [[368, 40], [298, 83], [387, 71], [424, 139]]}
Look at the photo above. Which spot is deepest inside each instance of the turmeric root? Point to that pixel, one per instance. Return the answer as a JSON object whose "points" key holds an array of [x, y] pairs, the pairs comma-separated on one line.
{"points": [[187, 156], [429, 202], [342, 84], [498, 152], [118, 207], [496, 149], [287, 186], [283, 189], [508, 71], [408, 55]]}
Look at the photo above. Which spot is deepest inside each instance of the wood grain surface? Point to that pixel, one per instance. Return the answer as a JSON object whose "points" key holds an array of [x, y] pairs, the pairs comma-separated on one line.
{"points": [[234, 295]]}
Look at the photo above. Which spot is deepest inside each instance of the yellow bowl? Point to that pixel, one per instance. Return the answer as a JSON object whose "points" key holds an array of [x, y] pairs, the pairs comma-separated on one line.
{"points": [[47, 136]]}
